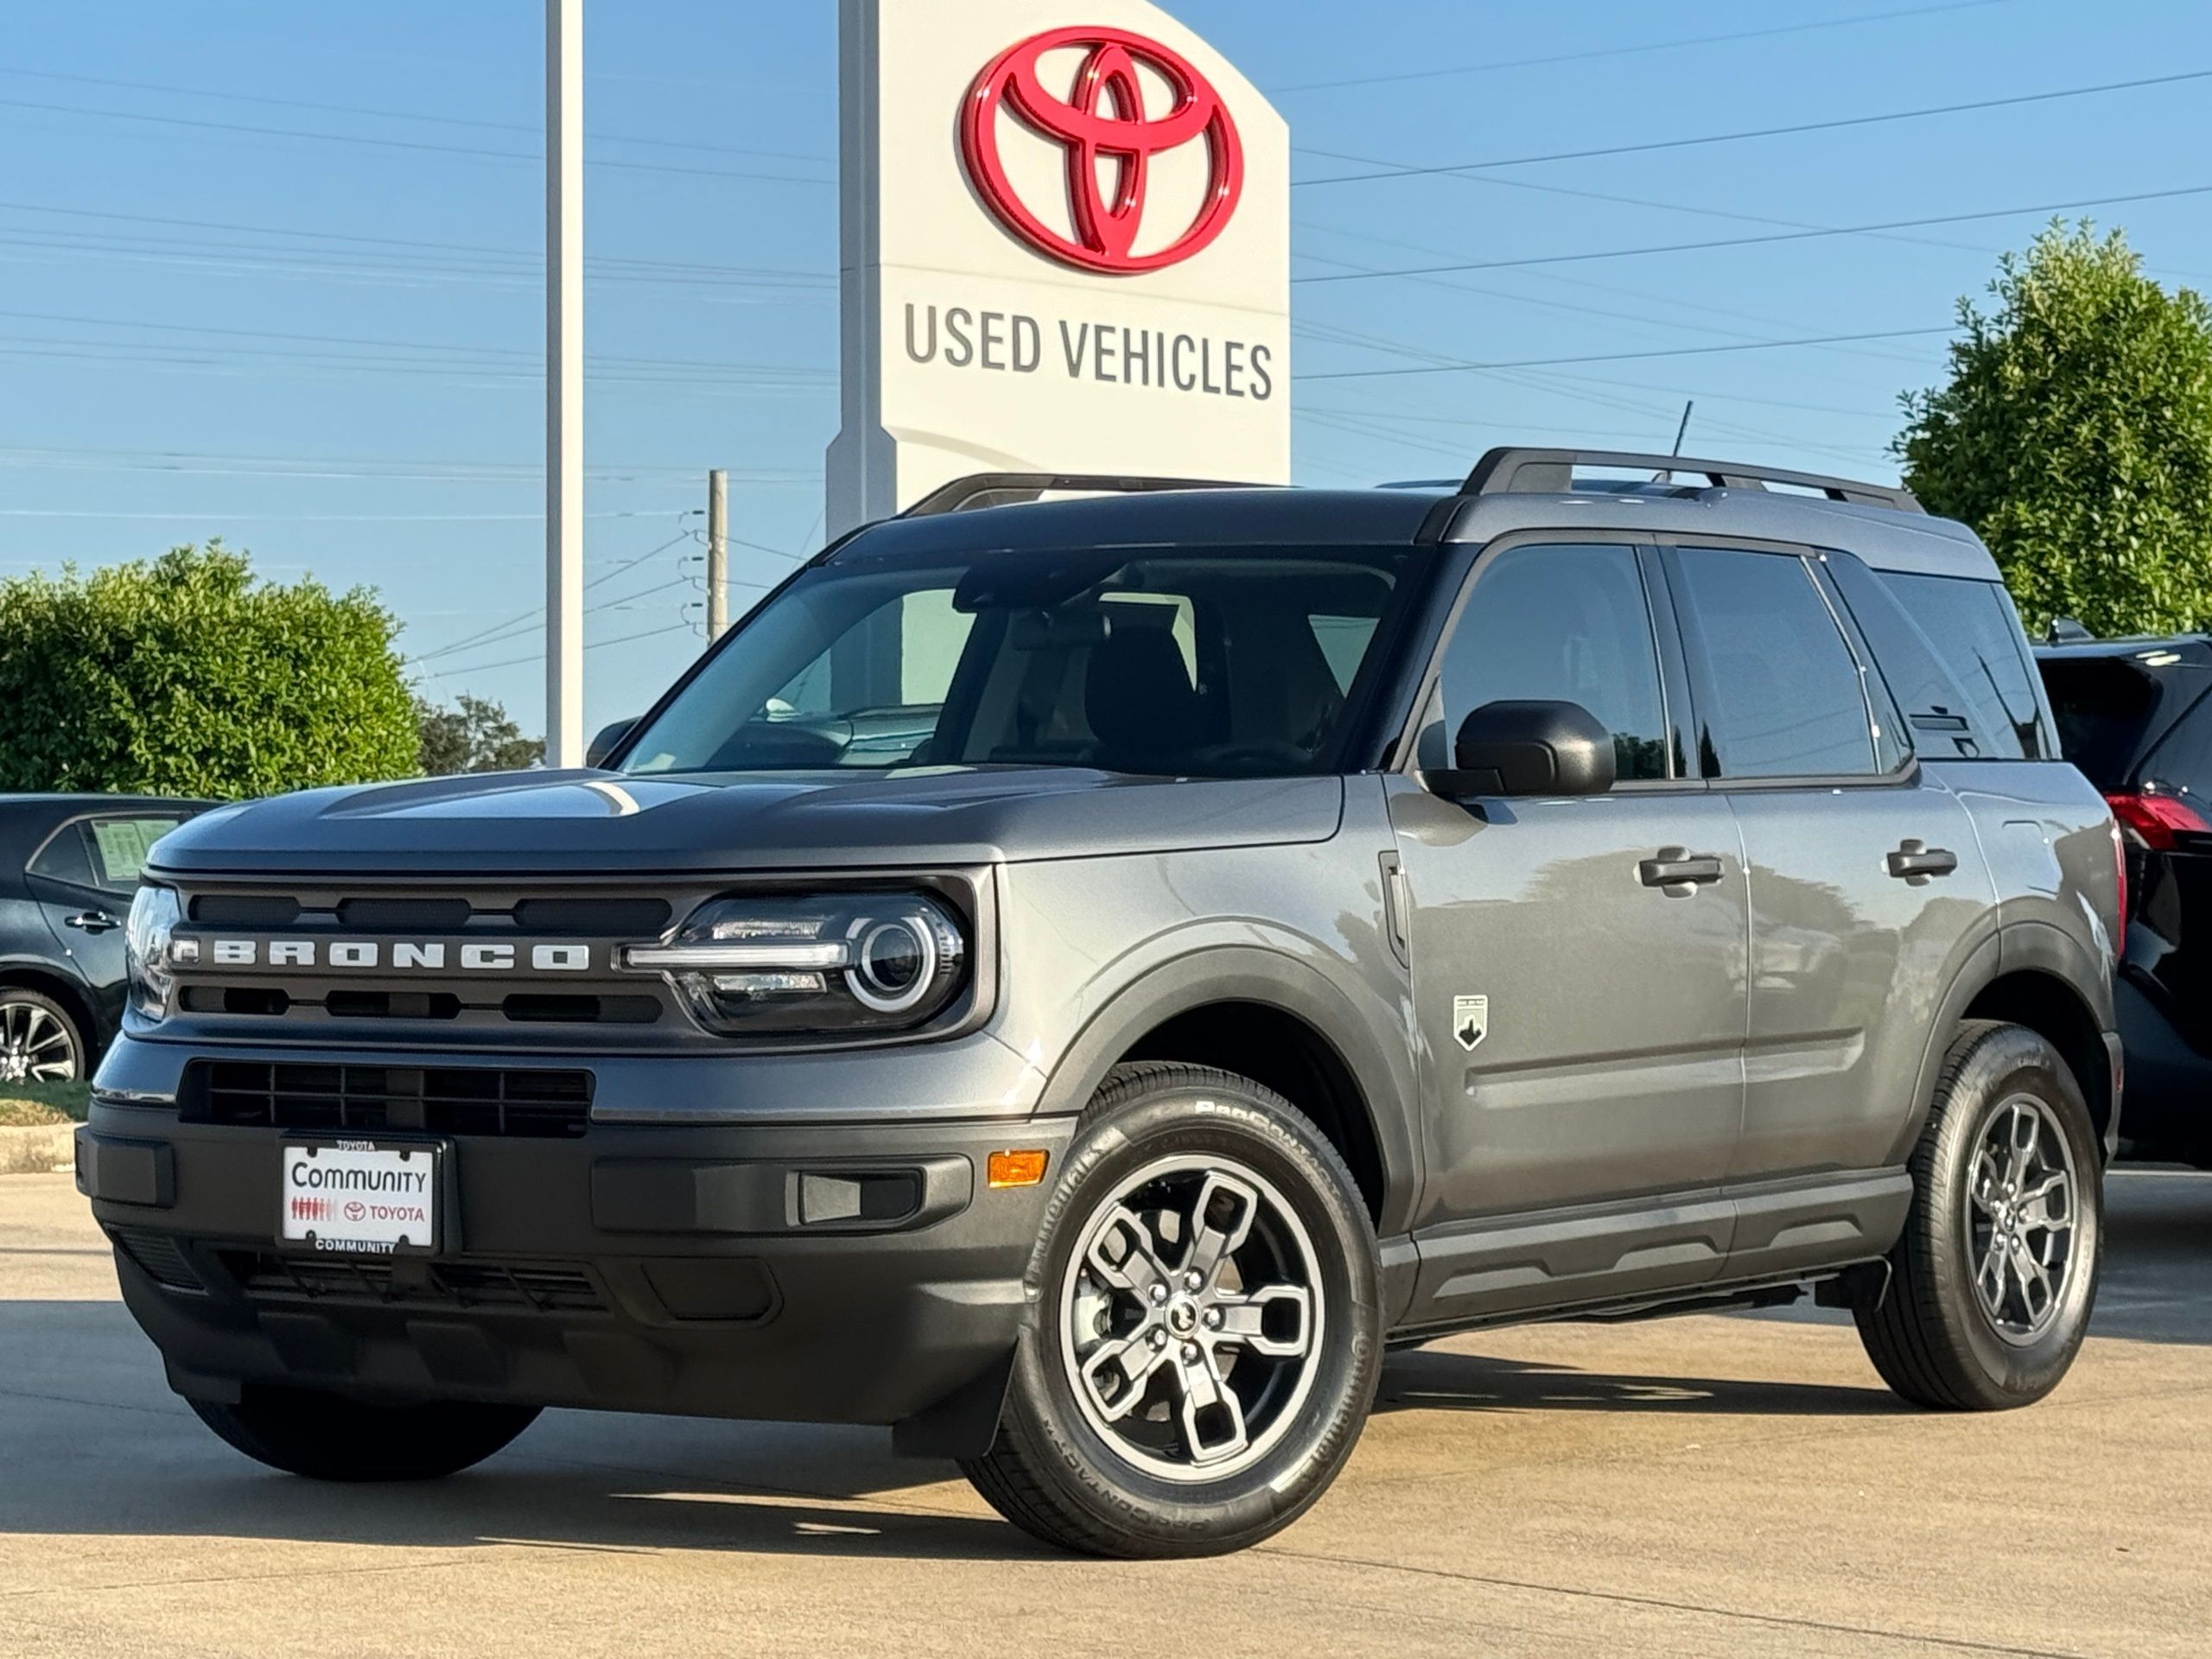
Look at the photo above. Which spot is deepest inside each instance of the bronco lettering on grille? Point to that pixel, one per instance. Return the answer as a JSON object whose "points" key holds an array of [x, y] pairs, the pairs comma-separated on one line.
{"points": [[406, 956]]}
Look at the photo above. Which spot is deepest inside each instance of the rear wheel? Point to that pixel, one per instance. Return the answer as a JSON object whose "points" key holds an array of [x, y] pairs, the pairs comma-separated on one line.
{"points": [[39, 1042], [1991, 1284], [1203, 1333], [327, 1436]]}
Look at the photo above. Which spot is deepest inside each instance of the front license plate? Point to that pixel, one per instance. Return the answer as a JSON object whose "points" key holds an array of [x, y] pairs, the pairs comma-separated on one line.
{"points": [[356, 1198]]}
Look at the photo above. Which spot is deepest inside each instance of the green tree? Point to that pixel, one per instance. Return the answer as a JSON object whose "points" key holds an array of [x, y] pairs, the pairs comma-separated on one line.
{"points": [[184, 676], [2076, 436], [478, 736]]}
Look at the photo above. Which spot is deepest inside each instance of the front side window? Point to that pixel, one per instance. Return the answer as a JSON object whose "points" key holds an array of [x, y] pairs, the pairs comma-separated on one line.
{"points": [[1780, 695], [1568, 624], [1232, 662]]}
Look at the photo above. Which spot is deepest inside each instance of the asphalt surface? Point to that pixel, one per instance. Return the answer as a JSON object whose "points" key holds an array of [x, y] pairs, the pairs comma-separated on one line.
{"points": [[1694, 1486]]}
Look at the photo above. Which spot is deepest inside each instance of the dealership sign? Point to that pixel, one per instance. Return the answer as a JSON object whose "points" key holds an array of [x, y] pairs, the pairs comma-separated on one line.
{"points": [[1065, 247]]}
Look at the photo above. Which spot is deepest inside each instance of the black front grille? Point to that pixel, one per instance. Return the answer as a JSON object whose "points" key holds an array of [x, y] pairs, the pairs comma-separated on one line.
{"points": [[267, 1276], [369, 1099]]}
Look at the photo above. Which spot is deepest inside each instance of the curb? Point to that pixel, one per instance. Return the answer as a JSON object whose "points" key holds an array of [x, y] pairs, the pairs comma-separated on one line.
{"points": [[36, 1151]]}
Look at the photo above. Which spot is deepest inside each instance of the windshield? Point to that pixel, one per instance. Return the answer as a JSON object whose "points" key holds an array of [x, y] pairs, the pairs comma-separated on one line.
{"points": [[1215, 663]]}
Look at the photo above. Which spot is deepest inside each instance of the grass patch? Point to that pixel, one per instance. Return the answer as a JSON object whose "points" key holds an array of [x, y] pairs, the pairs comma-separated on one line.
{"points": [[25, 1105]]}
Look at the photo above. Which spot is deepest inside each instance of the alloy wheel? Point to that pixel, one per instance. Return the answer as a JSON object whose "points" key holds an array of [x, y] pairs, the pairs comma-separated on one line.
{"points": [[2020, 1221], [1191, 1318], [35, 1045]]}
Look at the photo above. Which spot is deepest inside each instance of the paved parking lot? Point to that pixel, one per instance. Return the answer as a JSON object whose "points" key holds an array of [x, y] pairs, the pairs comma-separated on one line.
{"points": [[1692, 1486]]}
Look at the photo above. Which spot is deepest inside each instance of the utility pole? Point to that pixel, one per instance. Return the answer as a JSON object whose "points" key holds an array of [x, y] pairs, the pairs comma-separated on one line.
{"points": [[717, 554], [564, 383]]}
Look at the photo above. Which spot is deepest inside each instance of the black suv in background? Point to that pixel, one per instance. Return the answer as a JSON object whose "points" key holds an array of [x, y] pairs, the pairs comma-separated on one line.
{"points": [[2133, 715], [69, 866]]}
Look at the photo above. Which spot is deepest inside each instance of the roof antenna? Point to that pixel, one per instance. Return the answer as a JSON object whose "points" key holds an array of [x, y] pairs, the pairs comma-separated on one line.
{"points": [[1680, 432]]}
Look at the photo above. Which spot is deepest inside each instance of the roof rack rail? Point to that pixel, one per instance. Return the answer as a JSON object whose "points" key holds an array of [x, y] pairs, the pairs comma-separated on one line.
{"points": [[1551, 471], [981, 490]]}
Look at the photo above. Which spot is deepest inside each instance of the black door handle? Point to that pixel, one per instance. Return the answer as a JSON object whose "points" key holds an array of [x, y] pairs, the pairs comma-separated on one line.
{"points": [[92, 921], [1677, 867], [1915, 860]]}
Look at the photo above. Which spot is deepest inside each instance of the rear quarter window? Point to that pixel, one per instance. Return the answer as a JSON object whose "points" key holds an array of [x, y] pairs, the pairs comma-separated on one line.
{"points": [[1975, 633]]}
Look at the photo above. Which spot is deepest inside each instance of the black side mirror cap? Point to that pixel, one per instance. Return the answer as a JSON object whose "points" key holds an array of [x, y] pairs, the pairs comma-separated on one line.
{"points": [[1529, 748], [609, 738]]}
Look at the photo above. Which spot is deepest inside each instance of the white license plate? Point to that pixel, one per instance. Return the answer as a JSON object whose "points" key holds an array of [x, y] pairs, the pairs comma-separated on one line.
{"points": [[358, 1198]]}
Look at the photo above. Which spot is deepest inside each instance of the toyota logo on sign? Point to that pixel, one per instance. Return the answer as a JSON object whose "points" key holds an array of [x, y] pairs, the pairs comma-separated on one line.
{"points": [[1104, 128]]}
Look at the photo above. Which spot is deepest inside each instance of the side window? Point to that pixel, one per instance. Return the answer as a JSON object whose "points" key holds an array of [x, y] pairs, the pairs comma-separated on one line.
{"points": [[105, 853], [1565, 622], [1974, 627], [1779, 695], [1944, 720]]}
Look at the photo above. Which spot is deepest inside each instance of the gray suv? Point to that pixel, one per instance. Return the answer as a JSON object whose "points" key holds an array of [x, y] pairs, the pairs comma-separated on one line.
{"points": [[1077, 979]]}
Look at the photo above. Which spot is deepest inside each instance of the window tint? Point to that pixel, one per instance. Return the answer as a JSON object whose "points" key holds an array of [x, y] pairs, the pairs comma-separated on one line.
{"points": [[1942, 718], [1780, 695], [2110, 710], [1974, 628], [1569, 623], [1200, 662], [107, 853]]}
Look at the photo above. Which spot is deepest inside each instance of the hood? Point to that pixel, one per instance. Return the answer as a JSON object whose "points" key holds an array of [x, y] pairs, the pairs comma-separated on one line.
{"points": [[603, 822]]}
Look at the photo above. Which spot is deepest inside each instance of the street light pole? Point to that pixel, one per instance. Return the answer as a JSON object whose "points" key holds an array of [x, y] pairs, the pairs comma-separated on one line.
{"points": [[564, 383]]}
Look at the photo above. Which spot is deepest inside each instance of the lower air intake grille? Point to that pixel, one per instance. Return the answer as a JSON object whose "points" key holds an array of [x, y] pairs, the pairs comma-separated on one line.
{"points": [[160, 1256], [453, 1100], [267, 1276]]}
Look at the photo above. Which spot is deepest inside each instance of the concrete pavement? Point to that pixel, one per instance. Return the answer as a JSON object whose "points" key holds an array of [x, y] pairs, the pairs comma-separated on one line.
{"points": [[1691, 1486]]}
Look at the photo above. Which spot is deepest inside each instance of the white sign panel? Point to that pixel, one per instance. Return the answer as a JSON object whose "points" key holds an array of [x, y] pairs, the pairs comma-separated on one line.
{"points": [[1066, 248]]}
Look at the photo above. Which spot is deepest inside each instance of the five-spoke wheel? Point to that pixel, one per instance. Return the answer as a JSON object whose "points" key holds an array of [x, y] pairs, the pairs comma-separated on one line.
{"points": [[1991, 1285], [1190, 1320], [2021, 1190], [1203, 1329]]}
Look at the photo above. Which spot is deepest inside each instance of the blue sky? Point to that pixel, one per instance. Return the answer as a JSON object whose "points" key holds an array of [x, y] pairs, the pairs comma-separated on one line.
{"points": [[228, 307]]}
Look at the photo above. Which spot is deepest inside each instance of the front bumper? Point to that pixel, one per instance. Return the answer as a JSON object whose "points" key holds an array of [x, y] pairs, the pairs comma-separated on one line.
{"points": [[844, 1273]]}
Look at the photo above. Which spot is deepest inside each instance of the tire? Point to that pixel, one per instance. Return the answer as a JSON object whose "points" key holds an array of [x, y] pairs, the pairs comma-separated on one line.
{"points": [[327, 1436], [1950, 1334], [1255, 1383], [39, 1040]]}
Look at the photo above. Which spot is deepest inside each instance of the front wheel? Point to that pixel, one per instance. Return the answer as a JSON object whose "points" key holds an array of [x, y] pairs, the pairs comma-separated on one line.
{"points": [[1202, 1332], [327, 1436], [1991, 1284]]}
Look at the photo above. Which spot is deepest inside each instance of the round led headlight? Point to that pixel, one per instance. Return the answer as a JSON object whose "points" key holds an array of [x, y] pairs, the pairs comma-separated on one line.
{"points": [[150, 951], [816, 964]]}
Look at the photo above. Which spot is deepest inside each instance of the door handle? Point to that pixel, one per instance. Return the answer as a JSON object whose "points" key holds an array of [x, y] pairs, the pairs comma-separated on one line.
{"points": [[1915, 860], [1677, 867], [92, 921]]}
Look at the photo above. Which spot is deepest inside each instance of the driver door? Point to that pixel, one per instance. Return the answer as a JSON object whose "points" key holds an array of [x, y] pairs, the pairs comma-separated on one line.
{"points": [[1580, 1017], [83, 878]]}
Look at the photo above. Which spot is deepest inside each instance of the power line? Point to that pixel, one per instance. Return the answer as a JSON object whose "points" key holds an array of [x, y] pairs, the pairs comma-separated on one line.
{"points": [[527, 261], [1385, 171], [1620, 356], [1759, 241], [420, 146], [1676, 43], [402, 115], [589, 645]]}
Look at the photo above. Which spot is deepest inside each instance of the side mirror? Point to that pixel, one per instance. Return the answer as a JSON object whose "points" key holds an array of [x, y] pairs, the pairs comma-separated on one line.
{"points": [[600, 748], [1530, 748]]}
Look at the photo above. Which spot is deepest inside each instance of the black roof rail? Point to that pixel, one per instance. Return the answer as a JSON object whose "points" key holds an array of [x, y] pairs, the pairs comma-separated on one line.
{"points": [[1551, 471], [981, 490]]}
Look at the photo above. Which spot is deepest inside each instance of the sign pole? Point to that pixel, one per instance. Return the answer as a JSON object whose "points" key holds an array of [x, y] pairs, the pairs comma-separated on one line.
{"points": [[564, 383]]}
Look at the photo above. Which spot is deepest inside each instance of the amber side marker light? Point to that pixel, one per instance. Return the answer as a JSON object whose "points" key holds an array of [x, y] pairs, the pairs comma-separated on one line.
{"points": [[1015, 1168]]}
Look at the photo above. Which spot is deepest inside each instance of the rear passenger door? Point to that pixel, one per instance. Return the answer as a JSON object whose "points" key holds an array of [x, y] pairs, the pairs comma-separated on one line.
{"points": [[1867, 883]]}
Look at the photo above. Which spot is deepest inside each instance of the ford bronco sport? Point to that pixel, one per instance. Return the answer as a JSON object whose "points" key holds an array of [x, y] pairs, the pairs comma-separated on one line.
{"points": [[1077, 979]]}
